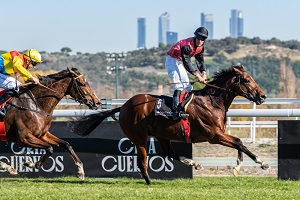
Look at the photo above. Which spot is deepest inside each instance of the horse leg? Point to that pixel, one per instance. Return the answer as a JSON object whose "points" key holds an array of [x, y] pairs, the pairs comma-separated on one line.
{"points": [[239, 162], [142, 162], [169, 151], [34, 142], [53, 140], [8, 168], [233, 142]]}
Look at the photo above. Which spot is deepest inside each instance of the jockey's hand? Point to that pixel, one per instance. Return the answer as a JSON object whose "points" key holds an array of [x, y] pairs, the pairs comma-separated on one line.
{"points": [[34, 80], [202, 79]]}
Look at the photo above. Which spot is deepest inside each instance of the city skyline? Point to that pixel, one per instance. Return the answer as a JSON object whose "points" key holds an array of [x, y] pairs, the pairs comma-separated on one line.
{"points": [[103, 26]]}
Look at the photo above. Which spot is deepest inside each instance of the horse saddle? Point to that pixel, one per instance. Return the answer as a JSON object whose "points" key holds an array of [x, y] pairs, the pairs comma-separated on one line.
{"points": [[5, 96], [163, 107]]}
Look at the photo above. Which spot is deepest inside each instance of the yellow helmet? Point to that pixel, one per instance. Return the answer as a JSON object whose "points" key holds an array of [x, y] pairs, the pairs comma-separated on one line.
{"points": [[33, 55]]}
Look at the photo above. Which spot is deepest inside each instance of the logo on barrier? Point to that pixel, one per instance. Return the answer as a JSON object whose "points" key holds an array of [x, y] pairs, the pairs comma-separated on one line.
{"points": [[25, 154], [128, 162]]}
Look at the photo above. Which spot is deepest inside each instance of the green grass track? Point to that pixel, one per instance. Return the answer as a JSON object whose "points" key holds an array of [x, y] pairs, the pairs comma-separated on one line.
{"points": [[125, 188]]}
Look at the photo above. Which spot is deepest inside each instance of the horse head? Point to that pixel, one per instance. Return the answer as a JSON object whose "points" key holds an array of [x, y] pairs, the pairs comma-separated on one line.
{"points": [[81, 91], [246, 86]]}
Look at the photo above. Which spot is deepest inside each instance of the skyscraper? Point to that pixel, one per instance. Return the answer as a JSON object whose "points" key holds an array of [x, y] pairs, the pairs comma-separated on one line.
{"points": [[163, 28], [141, 22], [172, 37], [207, 21], [236, 24]]}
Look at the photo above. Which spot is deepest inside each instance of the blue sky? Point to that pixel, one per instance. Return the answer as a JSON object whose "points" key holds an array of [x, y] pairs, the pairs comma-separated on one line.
{"points": [[92, 26]]}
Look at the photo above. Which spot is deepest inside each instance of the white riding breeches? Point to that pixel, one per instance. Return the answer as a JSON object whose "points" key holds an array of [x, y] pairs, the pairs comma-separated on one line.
{"points": [[178, 74], [9, 82]]}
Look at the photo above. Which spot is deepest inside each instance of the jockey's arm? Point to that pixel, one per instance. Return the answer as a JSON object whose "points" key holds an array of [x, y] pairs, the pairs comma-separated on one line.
{"points": [[18, 67]]}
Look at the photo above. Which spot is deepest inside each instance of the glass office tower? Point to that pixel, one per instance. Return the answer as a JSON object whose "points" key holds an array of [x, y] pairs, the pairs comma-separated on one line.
{"points": [[236, 24], [163, 27], [141, 22], [207, 21], [172, 37]]}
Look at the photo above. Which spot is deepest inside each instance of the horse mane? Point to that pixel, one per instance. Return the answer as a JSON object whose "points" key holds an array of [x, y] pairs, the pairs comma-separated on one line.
{"points": [[219, 77], [57, 76]]}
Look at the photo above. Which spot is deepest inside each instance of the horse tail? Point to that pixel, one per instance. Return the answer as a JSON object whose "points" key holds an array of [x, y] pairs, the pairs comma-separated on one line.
{"points": [[86, 124]]}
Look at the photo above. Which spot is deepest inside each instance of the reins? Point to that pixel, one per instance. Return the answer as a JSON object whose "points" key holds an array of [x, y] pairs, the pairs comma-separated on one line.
{"points": [[26, 84], [29, 109], [207, 84], [33, 98]]}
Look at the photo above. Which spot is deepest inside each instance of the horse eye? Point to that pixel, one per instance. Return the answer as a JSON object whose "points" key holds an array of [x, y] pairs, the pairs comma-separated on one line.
{"points": [[247, 80]]}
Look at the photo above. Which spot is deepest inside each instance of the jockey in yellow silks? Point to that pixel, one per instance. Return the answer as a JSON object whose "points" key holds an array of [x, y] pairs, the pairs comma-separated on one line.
{"points": [[13, 63]]}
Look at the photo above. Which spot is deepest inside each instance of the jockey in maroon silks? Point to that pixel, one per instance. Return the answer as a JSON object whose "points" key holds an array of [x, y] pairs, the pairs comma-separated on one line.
{"points": [[178, 62]]}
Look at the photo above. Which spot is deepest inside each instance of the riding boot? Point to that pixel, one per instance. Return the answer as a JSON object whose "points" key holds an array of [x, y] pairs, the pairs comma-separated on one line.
{"points": [[175, 106], [8, 94]]}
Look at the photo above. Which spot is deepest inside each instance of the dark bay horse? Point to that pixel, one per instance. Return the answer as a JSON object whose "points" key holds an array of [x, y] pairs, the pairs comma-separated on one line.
{"points": [[29, 116], [207, 117]]}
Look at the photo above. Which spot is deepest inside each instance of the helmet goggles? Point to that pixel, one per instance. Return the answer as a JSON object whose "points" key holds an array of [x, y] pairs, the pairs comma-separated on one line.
{"points": [[34, 63], [200, 37]]}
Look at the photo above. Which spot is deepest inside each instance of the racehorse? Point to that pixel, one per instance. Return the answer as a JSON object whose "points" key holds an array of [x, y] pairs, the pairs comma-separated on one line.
{"points": [[207, 117], [29, 115]]}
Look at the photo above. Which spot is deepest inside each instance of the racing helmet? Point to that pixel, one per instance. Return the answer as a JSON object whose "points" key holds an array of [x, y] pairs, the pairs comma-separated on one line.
{"points": [[33, 55], [201, 33]]}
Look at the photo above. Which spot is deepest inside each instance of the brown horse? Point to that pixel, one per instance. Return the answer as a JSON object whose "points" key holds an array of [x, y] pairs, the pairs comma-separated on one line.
{"points": [[207, 117], [29, 116]]}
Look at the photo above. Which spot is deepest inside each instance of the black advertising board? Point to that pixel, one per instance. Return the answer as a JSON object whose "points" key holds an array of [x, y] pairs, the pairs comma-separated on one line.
{"points": [[105, 153], [289, 149]]}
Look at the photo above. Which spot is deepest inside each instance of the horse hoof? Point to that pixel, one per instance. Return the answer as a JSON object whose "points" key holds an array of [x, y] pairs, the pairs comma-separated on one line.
{"points": [[81, 176], [29, 164], [12, 171], [199, 167], [235, 172], [265, 166]]}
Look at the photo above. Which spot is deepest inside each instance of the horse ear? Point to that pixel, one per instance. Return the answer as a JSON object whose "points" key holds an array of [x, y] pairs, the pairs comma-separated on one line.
{"points": [[237, 70]]}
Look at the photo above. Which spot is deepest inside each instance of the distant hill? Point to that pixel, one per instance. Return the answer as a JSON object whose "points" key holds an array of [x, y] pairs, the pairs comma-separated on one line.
{"points": [[274, 64]]}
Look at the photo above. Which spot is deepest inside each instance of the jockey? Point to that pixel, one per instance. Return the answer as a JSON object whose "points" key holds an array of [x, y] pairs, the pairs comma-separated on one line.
{"points": [[178, 61], [13, 63]]}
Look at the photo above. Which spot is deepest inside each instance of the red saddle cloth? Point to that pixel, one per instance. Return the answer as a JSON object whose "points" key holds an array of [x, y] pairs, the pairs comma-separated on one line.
{"points": [[185, 122], [2, 131], [2, 124]]}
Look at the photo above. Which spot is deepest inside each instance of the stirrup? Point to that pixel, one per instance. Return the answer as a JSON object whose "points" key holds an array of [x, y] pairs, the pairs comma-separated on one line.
{"points": [[184, 115], [176, 115], [2, 114]]}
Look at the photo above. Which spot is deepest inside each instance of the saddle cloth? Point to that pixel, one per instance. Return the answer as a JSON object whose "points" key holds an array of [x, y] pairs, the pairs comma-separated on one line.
{"points": [[163, 105], [2, 131], [163, 108]]}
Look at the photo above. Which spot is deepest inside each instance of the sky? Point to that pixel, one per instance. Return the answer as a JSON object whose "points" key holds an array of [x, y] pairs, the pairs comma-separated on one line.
{"points": [[92, 26]]}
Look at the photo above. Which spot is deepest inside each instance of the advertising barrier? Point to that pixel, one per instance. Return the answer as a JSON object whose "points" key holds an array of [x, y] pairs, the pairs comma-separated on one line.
{"points": [[289, 149], [105, 153]]}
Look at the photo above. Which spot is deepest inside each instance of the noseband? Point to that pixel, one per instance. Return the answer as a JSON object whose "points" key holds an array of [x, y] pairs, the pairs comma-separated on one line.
{"points": [[249, 94], [77, 87]]}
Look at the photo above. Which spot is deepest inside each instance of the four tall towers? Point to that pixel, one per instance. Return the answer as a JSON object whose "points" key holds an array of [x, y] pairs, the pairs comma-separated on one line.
{"points": [[165, 36]]}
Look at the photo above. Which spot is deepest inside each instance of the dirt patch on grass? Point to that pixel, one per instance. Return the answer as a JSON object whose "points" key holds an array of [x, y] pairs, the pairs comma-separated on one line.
{"points": [[263, 147]]}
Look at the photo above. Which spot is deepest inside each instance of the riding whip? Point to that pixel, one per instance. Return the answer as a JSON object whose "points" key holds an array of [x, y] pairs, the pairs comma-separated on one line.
{"points": [[26, 84]]}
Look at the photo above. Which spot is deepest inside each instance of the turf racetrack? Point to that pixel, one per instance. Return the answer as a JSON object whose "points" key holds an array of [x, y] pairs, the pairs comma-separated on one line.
{"points": [[242, 187]]}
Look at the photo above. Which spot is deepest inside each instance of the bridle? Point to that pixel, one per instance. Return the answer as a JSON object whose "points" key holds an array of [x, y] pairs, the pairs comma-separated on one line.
{"points": [[77, 86], [249, 94]]}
